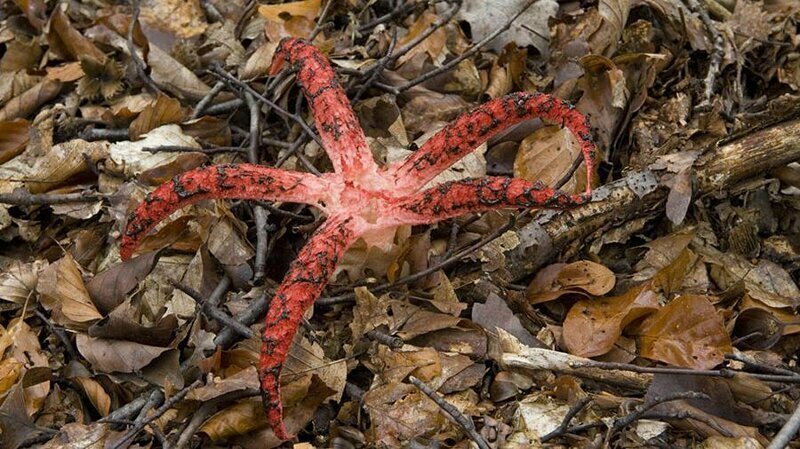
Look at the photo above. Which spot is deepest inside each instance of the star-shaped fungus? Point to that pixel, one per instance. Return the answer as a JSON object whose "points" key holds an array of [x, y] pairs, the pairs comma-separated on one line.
{"points": [[360, 197]]}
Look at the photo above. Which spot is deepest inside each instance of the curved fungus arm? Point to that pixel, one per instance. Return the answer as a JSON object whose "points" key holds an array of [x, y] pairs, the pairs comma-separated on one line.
{"points": [[455, 198], [337, 125], [471, 129], [227, 181], [305, 281]]}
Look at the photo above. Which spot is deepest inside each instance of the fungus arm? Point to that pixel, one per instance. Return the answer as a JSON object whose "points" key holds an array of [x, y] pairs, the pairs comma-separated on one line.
{"points": [[228, 181], [338, 127], [307, 277], [455, 198], [471, 129]]}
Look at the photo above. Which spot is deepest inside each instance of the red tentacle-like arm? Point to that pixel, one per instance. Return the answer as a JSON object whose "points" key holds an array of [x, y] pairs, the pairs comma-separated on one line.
{"points": [[307, 277], [466, 196], [338, 127], [231, 181], [471, 129]]}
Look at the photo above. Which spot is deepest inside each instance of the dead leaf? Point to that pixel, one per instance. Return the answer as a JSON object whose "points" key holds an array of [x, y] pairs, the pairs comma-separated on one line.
{"points": [[31, 100], [96, 394], [686, 332], [278, 13], [15, 421], [530, 28], [109, 288], [213, 130], [496, 313], [131, 159], [116, 356], [68, 42], [593, 326], [174, 76], [164, 111], [18, 281], [13, 138], [63, 293], [433, 45], [680, 196], [546, 156]]}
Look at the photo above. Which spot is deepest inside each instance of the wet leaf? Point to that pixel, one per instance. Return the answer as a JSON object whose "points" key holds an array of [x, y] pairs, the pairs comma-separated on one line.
{"points": [[686, 332]]}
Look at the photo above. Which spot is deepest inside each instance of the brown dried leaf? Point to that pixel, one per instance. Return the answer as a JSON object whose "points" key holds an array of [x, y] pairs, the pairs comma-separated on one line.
{"points": [[433, 45], [547, 155], [63, 293], [209, 129], [96, 394], [588, 276], [18, 281], [163, 173], [68, 42], [34, 10], [686, 332], [21, 55], [109, 288], [496, 313], [593, 326], [112, 356], [278, 13], [29, 101], [164, 111], [174, 76], [15, 421]]}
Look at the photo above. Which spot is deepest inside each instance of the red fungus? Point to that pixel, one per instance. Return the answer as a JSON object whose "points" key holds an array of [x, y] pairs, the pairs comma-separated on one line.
{"points": [[359, 197]]}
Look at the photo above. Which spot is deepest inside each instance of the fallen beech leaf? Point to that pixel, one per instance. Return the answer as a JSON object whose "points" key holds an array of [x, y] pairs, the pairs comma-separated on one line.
{"points": [[116, 356], [433, 45], [62, 164], [63, 293], [13, 138], [496, 313], [209, 129], [278, 13], [686, 332], [164, 111], [680, 196], [131, 159], [19, 280], [109, 288], [123, 324], [163, 173], [29, 101], [593, 326], [174, 76], [15, 420], [546, 155], [95, 392], [66, 41], [588, 276], [530, 28], [35, 11]]}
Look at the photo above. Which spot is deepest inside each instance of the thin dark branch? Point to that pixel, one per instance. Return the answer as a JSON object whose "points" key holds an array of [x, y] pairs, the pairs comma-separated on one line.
{"points": [[210, 306], [185, 149], [207, 99], [571, 414], [402, 8], [20, 197], [467, 54], [262, 239], [464, 422], [137, 61], [59, 333]]}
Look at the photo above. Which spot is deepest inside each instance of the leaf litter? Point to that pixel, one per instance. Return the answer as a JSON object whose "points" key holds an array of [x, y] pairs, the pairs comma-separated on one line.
{"points": [[596, 345]]}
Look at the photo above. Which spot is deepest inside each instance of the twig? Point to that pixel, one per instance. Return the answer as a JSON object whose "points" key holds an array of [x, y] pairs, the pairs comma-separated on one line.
{"points": [[185, 149], [392, 341], [218, 71], [207, 409], [760, 366], [225, 107], [111, 134], [254, 312], [259, 213], [568, 175], [377, 69], [321, 20], [210, 305], [21, 197], [463, 422], [571, 414], [59, 333], [467, 54], [207, 99], [137, 61], [726, 373], [438, 23], [156, 396], [787, 432], [716, 52], [641, 410], [401, 9]]}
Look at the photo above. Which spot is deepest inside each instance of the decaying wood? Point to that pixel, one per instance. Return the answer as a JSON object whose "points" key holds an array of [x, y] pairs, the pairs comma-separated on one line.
{"points": [[640, 194]]}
